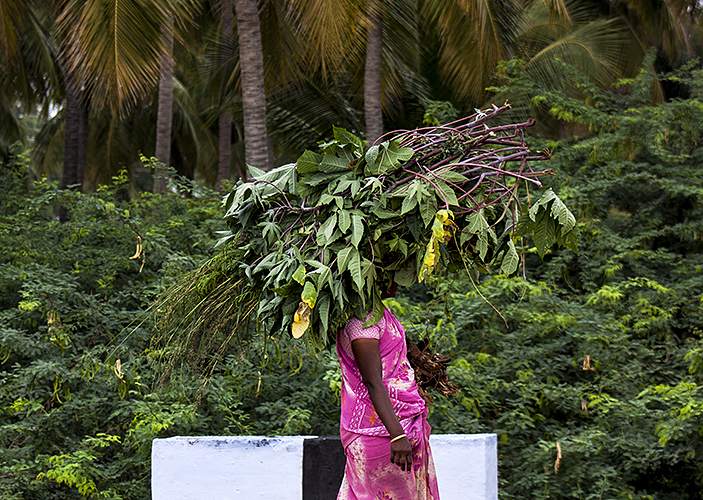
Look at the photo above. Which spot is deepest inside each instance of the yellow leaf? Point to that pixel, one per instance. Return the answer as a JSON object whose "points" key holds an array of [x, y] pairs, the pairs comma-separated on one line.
{"points": [[301, 320], [430, 259], [444, 216]]}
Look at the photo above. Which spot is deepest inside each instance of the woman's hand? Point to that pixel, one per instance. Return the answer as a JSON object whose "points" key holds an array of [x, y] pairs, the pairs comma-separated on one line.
{"points": [[402, 454]]}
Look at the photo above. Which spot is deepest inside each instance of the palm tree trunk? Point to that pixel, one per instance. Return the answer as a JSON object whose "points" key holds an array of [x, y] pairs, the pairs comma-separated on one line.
{"points": [[225, 122], [251, 59], [224, 148], [164, 118], [372, 72], [84, 111], [71, 141]]}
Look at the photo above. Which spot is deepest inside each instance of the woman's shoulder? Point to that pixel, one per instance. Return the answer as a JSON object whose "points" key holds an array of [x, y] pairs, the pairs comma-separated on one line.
{"points": [[354, 329]]}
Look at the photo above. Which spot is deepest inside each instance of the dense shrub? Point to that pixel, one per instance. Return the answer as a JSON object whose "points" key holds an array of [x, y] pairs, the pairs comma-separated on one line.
{"points": [[596, 359], [79, 403]]}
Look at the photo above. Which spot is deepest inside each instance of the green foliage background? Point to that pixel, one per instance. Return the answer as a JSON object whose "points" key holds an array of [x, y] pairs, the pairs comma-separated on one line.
{"points": [[598, 353]]}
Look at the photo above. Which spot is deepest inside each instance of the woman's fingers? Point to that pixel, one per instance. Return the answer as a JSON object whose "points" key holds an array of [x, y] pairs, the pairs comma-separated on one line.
{"points": [[402, 454]]}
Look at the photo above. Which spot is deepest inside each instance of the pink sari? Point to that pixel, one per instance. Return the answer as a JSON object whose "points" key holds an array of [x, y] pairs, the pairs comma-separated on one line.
{"points": [[369, 473]]}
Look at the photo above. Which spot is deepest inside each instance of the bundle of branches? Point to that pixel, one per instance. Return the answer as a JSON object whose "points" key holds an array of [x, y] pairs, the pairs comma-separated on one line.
{"points": [[318, 240], [430, 370]]}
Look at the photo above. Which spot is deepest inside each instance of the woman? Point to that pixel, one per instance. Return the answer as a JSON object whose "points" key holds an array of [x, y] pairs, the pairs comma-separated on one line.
{"points": [[383, 426]]}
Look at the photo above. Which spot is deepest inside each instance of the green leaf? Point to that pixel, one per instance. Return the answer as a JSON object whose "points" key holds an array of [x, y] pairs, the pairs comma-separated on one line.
{"points": [[308, 163], [334, 164], [482, 245], [477, 222], [548, 196], [378, 310], [561, 213], [344, 220], [511, 259], [324, 276], [325, 199], [357, 230], [355, 270], [451, 176], [343, 258], [345, 137], [392, 155], [384, 213], [409, 199], [544, 232], [406, 276], [326, 230], [371, 157], [447, 192], [323, 312], [386, 156], [427, 210]]}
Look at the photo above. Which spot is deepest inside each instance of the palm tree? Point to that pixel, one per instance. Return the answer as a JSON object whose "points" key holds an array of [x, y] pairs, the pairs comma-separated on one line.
{"points": [[164, 119], [251, 59], [120, 52], [373, 71], [225, 121]]}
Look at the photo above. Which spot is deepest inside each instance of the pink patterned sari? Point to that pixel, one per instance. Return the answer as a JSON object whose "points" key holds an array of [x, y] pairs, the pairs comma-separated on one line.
{"points": [[369, 473]]}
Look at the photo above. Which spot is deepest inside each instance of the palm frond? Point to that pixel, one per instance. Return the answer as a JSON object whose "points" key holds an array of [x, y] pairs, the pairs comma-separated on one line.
{"points": [[596, 48], [474, 37], [333, 31], [13, 16], [113, 47]]}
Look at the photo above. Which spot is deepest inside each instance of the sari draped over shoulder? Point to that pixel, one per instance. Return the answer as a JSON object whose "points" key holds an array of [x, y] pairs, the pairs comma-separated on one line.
{"points": [[369, 473]]}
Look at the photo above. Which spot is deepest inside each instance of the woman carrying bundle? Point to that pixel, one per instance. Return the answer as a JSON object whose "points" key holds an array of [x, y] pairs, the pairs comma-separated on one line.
{"points": [[383, 425]]}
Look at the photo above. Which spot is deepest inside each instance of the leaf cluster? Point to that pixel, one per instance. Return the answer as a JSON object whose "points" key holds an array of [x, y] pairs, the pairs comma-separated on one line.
{"points": [[324, 238]]}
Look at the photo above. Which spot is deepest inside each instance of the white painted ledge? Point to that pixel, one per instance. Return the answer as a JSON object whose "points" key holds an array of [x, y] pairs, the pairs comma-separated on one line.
{"points": [[253, 467]]}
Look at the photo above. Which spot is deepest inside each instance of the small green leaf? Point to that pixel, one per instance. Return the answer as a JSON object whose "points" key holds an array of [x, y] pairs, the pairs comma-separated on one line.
{"points": [[563, 215], [482, 245], [451, 176], [357, 230], [447, 192], [405, 276], [384, 213], [344, 220], [378, 310], [543, 202], [326, 230], [323, 312], [343, 259], [511, 259], [371, 157], [477, 222], [345, 137], [308, 163], [409, 199], [355, 270]]}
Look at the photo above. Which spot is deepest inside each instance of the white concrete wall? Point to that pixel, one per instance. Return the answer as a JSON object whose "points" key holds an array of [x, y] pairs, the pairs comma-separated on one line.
{"points": [[250, 467], [467, 466]]}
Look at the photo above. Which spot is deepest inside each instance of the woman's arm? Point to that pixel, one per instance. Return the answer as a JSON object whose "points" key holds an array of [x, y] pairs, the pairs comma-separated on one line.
{"points": [[368, 358]]}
